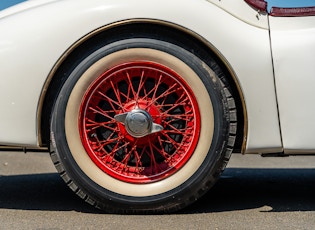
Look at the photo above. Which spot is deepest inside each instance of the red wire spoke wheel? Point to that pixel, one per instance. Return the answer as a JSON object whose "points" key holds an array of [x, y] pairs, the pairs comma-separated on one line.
{"points": [[151, 94], [141, 125]]}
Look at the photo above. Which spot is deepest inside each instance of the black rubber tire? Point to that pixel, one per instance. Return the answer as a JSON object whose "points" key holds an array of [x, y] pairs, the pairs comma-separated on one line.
{"points": [[183, 189]]}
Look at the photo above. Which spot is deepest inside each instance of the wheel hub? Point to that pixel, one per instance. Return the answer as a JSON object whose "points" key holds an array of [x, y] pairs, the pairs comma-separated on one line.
{"points": [[138, 123]]}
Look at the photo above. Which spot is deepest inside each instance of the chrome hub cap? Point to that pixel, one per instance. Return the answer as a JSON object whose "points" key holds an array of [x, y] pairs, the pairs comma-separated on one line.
{"points": [[138, 123]]}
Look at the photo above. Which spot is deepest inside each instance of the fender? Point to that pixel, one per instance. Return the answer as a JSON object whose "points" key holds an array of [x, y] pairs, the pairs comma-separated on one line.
{"points": [[29, 52]]}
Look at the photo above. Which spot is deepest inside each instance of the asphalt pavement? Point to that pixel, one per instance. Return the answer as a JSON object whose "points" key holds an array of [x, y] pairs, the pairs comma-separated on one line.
{"points": [[253, 193]]}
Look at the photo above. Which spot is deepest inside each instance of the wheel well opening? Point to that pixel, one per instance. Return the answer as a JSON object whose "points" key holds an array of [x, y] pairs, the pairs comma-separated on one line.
{"points": [[169, 33]]}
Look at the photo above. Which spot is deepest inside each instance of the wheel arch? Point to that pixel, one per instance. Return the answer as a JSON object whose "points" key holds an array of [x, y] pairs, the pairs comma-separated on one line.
{"points": [[161, 29]]}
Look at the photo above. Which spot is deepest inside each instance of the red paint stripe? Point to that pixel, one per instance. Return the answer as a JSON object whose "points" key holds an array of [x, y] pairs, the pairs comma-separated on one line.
{"points": [[292, 12], [258, 4]]}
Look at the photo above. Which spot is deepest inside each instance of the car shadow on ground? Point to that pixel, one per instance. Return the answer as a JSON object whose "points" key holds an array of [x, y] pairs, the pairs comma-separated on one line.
{"points": [[283, 190]]}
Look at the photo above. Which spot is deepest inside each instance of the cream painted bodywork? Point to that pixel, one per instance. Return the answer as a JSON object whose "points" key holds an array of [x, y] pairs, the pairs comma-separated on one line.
{"points": [[293, 46], [32, 42]]}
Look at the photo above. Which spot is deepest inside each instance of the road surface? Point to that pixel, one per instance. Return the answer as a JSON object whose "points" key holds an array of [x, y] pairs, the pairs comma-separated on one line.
{"points": [[253, 193]]}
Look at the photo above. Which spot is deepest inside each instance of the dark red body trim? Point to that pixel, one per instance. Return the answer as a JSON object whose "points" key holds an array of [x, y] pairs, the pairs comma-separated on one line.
{"points": [[292, 12], [258, 4]]}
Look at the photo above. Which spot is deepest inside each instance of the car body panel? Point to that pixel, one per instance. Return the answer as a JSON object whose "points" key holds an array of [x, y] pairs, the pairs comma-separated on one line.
{"points": [[243, 12], [293, 46], [42, 38]]}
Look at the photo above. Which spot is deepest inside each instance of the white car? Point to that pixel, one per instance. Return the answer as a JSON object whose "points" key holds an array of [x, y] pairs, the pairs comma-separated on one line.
{"points": [[141, 103]]}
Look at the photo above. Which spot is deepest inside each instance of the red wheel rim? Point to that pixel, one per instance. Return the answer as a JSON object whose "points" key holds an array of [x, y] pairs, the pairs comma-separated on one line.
{"points": [[169, 102]]}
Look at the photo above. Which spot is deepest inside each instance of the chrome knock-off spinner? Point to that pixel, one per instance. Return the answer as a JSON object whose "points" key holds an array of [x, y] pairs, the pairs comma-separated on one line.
{"points": [[138, 123]]}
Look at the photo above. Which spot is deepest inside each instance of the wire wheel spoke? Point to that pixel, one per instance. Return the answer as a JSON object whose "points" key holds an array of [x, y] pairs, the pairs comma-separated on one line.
{"points": [[169, 103]]}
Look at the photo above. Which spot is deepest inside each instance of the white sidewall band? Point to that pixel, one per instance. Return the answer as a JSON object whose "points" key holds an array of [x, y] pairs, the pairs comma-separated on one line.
{"points": [[73, 110]]}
